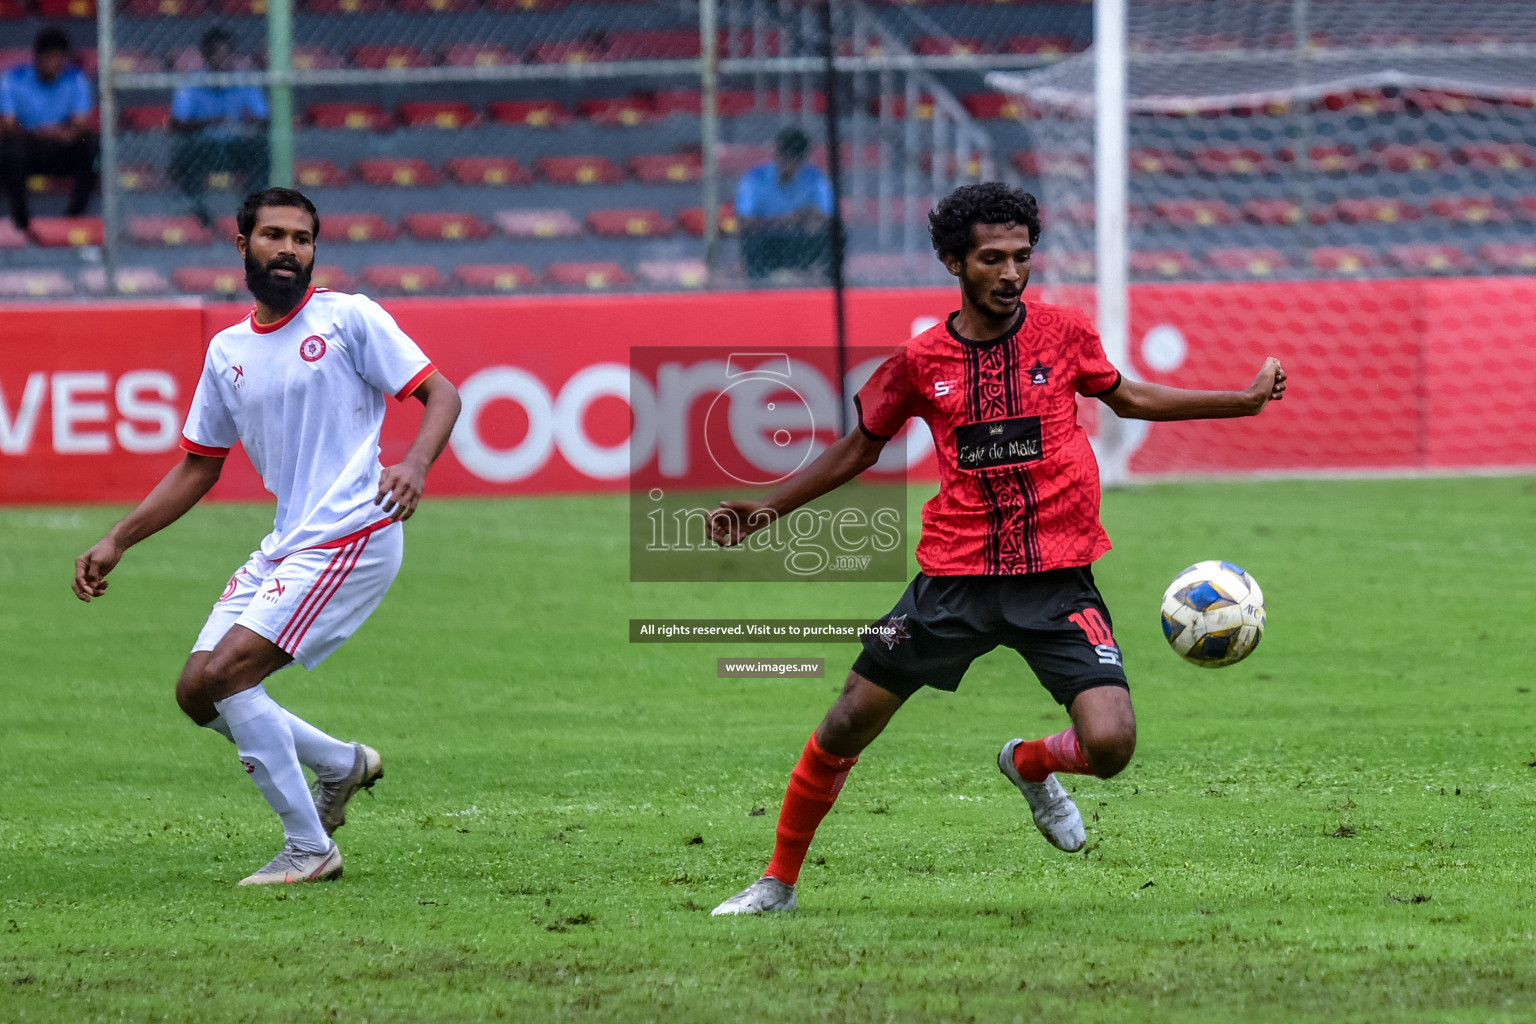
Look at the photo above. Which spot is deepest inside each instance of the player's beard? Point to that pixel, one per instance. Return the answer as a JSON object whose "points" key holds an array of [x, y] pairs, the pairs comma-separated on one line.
{"points": [[978, 292], [274, 292]]}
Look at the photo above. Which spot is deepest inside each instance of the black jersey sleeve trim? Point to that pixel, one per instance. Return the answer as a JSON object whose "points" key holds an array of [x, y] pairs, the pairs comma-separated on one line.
{"points": [[859, 408], [1108, 390]]}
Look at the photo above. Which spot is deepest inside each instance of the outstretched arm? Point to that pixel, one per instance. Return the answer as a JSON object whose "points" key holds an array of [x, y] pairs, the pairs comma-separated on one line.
{"points": [[845, 459], [1138, 400], [180, 489], [402, 485]]}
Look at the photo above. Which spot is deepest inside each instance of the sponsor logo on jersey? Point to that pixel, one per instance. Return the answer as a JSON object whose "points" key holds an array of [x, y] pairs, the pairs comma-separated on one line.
{"points": [[312, 348], [942, 388], [239, 379], [229, 589], [1009, 442], [277, 590], [1039, 374]]}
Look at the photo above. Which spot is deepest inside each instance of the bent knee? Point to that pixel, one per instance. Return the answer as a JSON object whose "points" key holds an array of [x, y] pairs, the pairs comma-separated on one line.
{"points": [[1108, 754]]}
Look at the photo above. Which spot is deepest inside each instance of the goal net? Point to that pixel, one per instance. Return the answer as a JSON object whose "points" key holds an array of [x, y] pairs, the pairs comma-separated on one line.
{"points": [[1347, 184]]}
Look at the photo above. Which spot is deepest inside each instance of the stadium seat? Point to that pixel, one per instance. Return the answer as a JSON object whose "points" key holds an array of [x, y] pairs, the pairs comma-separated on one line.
{"points": [[311, 58], [1383, 210], [344, 6], [692, 220], [402, 172], [147, 119], [579, 170], [130, 281], [1406, 158], [166, 8], [1162, 263], [1273, 212], [446, 115], [1343, 259], [352, 116], [1234, 161], [11, 236], [12, 10], [496, 277], [126, 60], [1469, 209], [948, 46], [408, 280], [628, 223], [225, 281], [1159, 161], [591, 276], [737, 158], [479, 55], [1505, 156], [388, 57], [922, 111], [332, 277], [1429, 259], [673, 273], [1258, 262], [1044, 44], [66, 231], [434, 6], [1335, 159], [445, 227], [690, 102], [139, 178], [319, 174], [1516, 256], [487, 170], [1033, 163], [538, 223], [55, 9], [663, 169], [1436, 101], [1194, 212], [674, 44], [574, 52], [356, 227], [1524, 207], [987, 106], [168, 231], [47, 185], [532, 113], [1363, 101], [621, 112], [34, 284]]}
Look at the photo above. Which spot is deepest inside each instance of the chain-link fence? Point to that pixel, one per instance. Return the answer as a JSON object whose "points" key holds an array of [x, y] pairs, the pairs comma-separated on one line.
{"points": [[509, 146]]}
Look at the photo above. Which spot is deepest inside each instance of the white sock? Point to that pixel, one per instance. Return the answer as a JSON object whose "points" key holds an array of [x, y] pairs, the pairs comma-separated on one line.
{"points": [[261, 733], [220, 726], [325, 755]]}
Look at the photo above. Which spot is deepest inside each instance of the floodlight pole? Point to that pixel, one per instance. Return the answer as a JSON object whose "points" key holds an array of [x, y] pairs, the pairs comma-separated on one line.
{"points": [[1111, 169], [709, 134], [111, 196], [280, 60]]}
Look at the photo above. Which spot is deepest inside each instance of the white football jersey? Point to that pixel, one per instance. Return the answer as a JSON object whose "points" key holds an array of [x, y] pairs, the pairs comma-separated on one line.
{"points": [[305, 396]]}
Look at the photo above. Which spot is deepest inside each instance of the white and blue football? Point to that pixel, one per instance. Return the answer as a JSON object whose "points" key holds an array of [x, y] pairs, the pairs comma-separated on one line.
{"points": [[1213, 614]]}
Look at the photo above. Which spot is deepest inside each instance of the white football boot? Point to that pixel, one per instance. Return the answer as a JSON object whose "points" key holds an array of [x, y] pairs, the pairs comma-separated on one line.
{"points": [[331, 796], [761, 897], [293, 865], [1056, 816]]}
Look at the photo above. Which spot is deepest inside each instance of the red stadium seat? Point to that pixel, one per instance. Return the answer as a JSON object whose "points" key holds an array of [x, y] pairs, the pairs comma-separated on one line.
{"points": [[1249, 262], [54, 9], [243, 8], [166, 8], [948, 46], [673, 273], [351, 116], [487, 170], [434, 6], [1469, 209], [1272, 211], [532, 113], [989, 106], [126, 60], [749, 43], [626, 112], [680, 44], [1429, 259], [1382, 210], [740, 157], [403, 172], [1343, 259], [344, 6], [662, 169], [1048, 44], [691, 102], [34, 284], [923, 111], [628, 223], [48, 185], [1505, 156], [332, 277], [1034, 163], [1445, 102], [579, 52], [1194, 212], [1363, 101], [312, 58], [318, 174], [66, 231], [1162, 263], [228, 281], [437, 115], [130, 281], [692, 220], [392, 57], [579, 170], [1407, 158], [1234, 161], [1336, 159], [139, 178], [12, 10], [1524, 207], [591, 276], [494, 277], [356, 227], [445, 227], [1517, 256], [1158, 161], [538, 223], [11, 236], [479, 55], [171, 231], [147, 119], [408, 280]]}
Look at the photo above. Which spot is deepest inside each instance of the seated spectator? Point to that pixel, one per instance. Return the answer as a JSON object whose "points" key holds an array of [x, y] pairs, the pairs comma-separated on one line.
{"points": [[218, 129], [45, 108], [783, 208]]}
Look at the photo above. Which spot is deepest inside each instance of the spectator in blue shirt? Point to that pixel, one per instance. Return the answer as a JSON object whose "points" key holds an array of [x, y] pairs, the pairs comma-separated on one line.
{"points": [[45, 108], [218, 129], [783, 208]]}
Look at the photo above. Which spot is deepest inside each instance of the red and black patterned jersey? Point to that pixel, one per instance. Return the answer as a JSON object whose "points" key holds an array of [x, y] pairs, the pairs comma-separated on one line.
{"points": [[1018, 483]]}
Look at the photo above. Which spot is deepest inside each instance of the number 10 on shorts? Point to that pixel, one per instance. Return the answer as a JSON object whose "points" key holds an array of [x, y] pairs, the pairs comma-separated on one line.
{"points": [[1097, 630]]}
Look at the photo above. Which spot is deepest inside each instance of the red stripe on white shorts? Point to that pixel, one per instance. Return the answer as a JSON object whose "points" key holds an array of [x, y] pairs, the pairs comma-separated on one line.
{"points": [[309, 599], [335, 585]]}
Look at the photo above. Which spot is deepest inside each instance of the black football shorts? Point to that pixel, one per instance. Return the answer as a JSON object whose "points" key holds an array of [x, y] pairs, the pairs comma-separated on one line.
{"points": [[1056, 619]]}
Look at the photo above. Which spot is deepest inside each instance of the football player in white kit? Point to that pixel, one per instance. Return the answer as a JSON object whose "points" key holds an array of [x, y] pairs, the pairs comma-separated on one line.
{"points": [[301, 383]]}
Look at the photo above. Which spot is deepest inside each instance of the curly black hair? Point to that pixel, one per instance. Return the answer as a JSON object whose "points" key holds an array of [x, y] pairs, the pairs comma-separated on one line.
{"points": [[951, 222], [245, 218]]}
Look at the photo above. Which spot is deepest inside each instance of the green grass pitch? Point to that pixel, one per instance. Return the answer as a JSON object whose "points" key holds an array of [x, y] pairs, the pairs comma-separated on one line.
{"points": [[1340, 829]]}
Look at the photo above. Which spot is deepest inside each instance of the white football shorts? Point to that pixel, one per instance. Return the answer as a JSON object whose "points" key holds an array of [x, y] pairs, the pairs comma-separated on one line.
{"points": [[311, 602]]}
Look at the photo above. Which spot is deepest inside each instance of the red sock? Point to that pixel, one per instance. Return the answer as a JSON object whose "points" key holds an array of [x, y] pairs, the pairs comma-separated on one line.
{"points": [[1035, 759], [813, 788]]}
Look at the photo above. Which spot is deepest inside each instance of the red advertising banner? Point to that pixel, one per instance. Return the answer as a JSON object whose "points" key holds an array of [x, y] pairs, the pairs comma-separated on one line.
{"points": [[1385, 375]]}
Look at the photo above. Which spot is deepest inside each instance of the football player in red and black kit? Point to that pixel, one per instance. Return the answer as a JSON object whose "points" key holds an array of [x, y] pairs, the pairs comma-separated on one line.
{"points": [[1008, 541]]}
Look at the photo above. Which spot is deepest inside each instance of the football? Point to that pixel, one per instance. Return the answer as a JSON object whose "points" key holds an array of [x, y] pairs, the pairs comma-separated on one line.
{"points": [[1213, 614]]}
